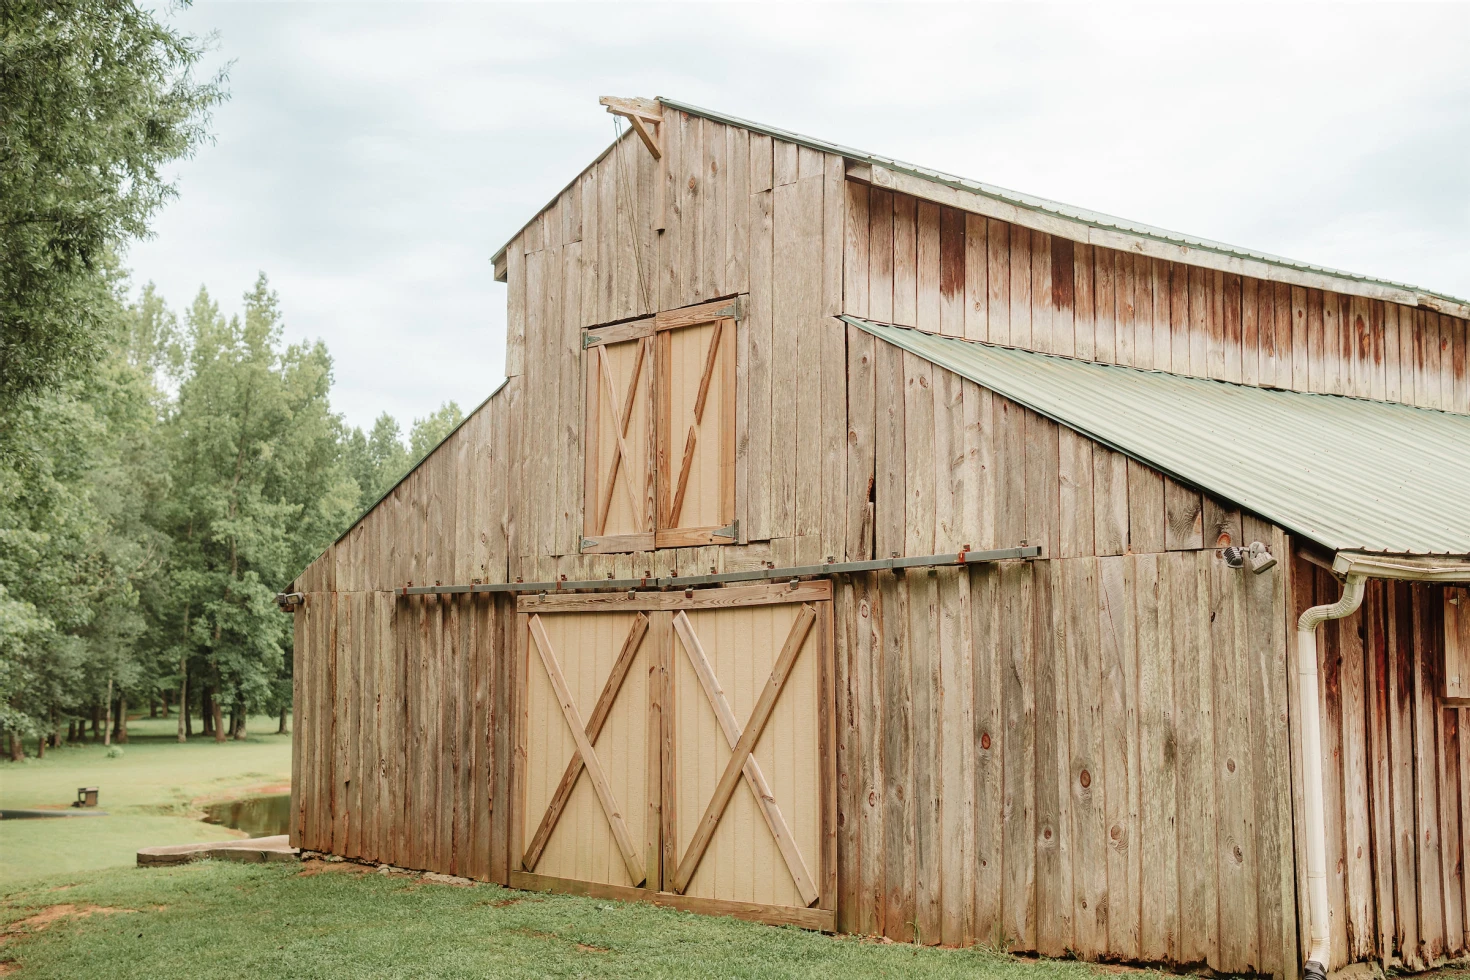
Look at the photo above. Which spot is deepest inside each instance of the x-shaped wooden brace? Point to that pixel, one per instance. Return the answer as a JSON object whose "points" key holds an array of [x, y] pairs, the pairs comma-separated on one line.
{"points": [[710, 359], [741, 761], [621, 419], [584, 755]]}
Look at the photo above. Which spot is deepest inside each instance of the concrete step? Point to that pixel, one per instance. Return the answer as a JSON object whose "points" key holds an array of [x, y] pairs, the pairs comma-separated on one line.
{"points": [[254, 850]]}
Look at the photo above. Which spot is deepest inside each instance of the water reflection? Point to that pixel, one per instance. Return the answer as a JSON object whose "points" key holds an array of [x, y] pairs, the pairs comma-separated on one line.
{"points": [[258, 816]]}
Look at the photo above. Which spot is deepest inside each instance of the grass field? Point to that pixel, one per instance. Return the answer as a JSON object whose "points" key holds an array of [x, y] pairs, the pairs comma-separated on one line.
{"points": [[148, 793], [342, 920]]}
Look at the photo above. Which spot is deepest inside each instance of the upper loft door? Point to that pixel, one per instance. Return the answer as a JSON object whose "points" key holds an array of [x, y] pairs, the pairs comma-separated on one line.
{"points": [[661, 431]]}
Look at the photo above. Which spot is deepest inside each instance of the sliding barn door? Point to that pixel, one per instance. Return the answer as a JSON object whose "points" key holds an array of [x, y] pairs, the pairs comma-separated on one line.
{"points": [[679, 747], [748, 777], [585, 738]]}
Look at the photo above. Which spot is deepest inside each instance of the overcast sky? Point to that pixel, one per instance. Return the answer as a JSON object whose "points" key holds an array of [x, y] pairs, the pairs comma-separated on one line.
{"points": [[372, 157]]}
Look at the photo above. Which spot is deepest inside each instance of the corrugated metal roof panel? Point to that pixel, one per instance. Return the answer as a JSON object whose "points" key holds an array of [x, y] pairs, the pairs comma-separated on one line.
{"points": [[1031, 202], [1344, 472]]}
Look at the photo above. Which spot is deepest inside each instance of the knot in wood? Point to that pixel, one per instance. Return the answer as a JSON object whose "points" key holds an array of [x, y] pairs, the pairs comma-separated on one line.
{"points": [[1086, 779], [1230, 764], [985, 740]]}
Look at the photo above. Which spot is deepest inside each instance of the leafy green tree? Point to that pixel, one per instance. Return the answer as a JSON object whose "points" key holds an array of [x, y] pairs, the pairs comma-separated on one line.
{"points": [[76, 545], [96, 98], [428, 432], [259, 487], [377, 460]]}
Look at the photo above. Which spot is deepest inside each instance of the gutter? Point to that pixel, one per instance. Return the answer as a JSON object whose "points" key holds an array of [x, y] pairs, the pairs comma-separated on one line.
{"points": [[1357, 568], [1318, 909]]}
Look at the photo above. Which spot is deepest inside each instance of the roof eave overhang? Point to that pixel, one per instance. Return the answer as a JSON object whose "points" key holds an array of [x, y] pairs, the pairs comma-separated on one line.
{"points": [[1402, 567]]}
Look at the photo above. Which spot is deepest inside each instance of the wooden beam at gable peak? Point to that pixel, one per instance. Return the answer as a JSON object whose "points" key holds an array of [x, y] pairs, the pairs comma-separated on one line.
{"points": [[646, 117]]}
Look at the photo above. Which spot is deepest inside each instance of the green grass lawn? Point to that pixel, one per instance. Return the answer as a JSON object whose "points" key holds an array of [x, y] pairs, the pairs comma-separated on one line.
{"points": [[148, 792], [292, 920]]}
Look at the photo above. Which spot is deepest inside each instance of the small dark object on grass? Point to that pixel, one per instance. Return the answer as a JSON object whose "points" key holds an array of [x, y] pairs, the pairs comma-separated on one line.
{"points": [[86, 796]]}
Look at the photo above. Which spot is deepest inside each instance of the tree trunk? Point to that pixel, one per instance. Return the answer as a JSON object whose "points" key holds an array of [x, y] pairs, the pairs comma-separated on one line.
{"points": [[152, 706], [206, 712], [122, 719], [71, 730], [165, 698], [107, 726], [282, 730], [184, 727], [241, 715], [96, 722], [219, 722], [17, 750], [41, 746]]}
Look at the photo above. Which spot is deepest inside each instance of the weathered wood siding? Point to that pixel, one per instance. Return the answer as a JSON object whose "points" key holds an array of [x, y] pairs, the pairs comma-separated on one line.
{"points": [[399, 739], [449, 520], [922, 264], [1396, 762], [938, 463], [746, 216]]}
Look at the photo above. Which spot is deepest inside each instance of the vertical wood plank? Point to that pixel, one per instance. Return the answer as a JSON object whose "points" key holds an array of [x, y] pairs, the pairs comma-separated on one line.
{"points": [[977, 279], [759, 324], [928, 786], [1110, 501], [1084, 309], [905, 261], [1016, 641], [1193, 686], [1184, 517], [1088, 778], [926, 267], [1054, 881], [889, 492], [1118, 655], [998, 276], [855, 257], [1158, 760], [1236, 780], [918, 407], [1076, 514], [898, 782], [989, 734], [861, 430], [952, 276]]}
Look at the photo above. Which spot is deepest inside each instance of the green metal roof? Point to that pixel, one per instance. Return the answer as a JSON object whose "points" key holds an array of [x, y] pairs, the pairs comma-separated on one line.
{"points": [[1348, 473], [1096, 219]]}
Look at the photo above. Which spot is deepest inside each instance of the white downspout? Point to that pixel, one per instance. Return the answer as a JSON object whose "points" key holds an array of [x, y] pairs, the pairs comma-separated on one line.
{"points": [[1311, 728]]}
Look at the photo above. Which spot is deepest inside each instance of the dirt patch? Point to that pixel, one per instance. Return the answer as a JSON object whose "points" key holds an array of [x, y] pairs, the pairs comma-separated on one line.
{"points": [[589, 948], [1121, 968], [312, 866], [9, 967], [52, 914], [501, 903]]}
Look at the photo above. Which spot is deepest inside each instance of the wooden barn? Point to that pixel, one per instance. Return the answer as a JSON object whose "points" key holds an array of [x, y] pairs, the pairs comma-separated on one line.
{"points": [[873, 550]]}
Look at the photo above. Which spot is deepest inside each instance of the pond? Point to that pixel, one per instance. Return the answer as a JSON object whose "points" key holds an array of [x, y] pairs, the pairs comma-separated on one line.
{"points": [[258, 816]]}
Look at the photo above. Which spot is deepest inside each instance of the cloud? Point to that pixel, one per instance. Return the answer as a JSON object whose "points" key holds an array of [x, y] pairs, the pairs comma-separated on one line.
{"points": [[373, 157]]}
